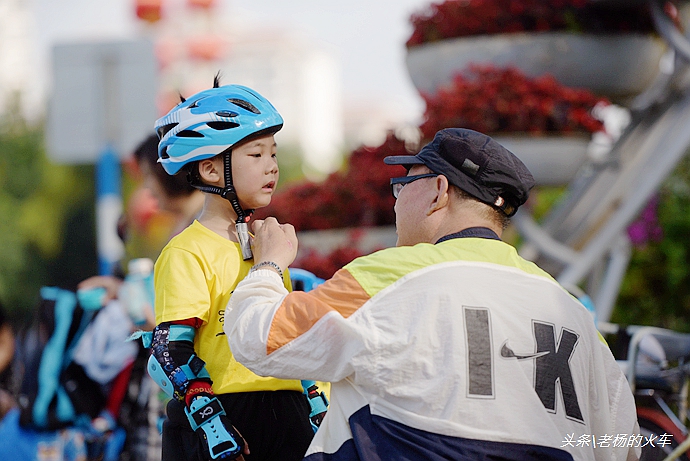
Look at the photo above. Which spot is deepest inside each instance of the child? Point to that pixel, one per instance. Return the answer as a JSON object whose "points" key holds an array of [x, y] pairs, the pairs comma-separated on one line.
{"points": [[222, 138], [173, 193]]}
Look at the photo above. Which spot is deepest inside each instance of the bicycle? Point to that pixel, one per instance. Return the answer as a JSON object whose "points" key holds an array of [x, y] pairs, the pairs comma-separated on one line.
{"points": [[656, 362]]}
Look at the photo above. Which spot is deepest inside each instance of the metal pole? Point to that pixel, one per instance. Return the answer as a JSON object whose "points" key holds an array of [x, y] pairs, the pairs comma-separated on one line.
{"points": [[108, 211], [108, 191]]}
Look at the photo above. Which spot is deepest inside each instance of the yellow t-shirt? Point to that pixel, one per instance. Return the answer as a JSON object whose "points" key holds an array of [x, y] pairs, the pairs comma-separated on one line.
{"points": [[194, 276]]}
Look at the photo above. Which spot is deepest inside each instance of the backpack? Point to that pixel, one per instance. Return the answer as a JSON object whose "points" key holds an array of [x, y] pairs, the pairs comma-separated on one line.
{"points": [[55, 391]]}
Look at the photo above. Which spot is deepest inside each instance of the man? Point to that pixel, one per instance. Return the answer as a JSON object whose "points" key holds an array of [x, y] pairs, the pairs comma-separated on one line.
{"points": [[449, 346]]}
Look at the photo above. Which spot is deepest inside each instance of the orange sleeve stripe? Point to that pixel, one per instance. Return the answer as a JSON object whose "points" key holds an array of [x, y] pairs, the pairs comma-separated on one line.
{"points": [[300, 311]]}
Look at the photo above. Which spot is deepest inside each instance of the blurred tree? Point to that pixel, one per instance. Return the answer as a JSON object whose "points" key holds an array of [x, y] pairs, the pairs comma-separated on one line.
{"points": [[36, 200], [656, 288]]}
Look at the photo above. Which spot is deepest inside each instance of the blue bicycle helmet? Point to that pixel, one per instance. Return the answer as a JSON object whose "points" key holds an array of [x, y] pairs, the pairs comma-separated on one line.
{"points": [[211, 122]]}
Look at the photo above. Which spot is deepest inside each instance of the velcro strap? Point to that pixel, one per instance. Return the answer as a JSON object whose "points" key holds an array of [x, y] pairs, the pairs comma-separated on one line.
{"points": [[206, 413], [195, 368], [196, 365], [145, 336], [181, 333]]}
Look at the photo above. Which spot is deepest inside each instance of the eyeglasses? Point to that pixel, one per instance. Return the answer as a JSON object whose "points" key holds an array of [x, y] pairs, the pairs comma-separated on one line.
{"points": [[398, 183]]}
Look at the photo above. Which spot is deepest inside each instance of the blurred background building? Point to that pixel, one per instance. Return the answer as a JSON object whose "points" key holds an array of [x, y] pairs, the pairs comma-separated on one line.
{"points": [[16, 47], [194, 39]]}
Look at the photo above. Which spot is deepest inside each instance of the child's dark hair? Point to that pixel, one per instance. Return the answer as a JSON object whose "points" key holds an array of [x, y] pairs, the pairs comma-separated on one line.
{"points": [[174, 185]]}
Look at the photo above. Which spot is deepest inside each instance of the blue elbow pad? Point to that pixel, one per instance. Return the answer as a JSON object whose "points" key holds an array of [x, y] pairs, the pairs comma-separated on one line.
{"points": [[173, 378]]}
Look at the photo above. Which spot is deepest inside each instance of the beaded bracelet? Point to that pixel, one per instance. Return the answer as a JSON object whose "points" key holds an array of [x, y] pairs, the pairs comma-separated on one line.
{"points": [[267, 263]]}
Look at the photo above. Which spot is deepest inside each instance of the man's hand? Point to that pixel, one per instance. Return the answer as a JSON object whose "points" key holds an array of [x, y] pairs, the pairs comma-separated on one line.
{"points": [[274, 242]]}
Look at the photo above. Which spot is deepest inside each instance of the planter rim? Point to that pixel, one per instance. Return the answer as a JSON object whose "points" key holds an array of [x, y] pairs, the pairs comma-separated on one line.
{"points": [[618, 66], [552, 160], [551, 136], [549, 34]]}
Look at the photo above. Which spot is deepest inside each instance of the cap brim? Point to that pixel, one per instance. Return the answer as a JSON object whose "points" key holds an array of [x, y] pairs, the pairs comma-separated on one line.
{"points": [[402, 160]]}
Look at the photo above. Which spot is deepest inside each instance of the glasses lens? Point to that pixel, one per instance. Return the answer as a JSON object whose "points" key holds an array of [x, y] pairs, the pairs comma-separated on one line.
{"points": [[396, 188], [398, 183]]}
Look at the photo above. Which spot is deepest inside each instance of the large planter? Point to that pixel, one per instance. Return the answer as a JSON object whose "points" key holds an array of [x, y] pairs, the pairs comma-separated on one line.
{"points": [[552, 160], [618, 66], [365, 239]]}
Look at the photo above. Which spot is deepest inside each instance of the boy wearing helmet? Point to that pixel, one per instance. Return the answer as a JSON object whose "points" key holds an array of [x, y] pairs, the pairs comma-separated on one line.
{"points": [[222, 138]]}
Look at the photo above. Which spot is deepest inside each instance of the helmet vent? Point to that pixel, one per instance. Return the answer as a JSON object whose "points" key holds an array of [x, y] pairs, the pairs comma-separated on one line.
{"points": [[163, 130], [164, 153], [222, 125], [246, 105], [226, 113], [189, 134]]}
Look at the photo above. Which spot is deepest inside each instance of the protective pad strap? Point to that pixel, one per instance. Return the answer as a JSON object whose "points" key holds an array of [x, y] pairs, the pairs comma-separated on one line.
{"points": [[145, 336], [181, 333], [195, 368], [175, 333], [205, 414], [173, 378], [317, 401]]}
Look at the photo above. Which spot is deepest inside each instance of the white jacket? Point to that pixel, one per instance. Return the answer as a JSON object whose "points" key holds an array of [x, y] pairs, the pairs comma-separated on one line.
{"points": [[447, 351]]}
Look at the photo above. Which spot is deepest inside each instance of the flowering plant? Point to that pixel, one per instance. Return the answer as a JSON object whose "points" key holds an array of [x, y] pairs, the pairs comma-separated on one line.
{"points": [[324, 265], [488, 100], [360, 196], [458, 18], [492, 100], [357, 197]]}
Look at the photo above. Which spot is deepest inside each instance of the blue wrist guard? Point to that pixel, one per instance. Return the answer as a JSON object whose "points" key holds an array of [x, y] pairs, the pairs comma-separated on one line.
{"points": [[207, 418], [318, 403]]}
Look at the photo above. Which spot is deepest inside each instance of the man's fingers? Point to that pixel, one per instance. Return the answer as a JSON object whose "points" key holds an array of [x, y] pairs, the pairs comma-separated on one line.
{"points": [[290, 235], [271, 222], [289, 229], [257, 225]]}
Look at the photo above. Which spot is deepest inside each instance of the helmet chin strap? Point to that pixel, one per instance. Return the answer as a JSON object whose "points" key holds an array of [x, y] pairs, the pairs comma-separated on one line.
{"points": [[228, 192]]}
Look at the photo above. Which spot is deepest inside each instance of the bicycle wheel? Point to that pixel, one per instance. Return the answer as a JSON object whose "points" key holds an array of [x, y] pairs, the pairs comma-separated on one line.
{"points": [[655, 423]]}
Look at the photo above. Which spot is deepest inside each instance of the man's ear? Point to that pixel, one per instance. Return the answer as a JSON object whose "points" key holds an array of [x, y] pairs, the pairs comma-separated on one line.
{"points": [[210, 171], [441, 198]]}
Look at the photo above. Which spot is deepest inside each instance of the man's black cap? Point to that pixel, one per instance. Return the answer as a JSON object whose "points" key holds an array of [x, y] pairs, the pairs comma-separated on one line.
{"points": [[476, 164]]}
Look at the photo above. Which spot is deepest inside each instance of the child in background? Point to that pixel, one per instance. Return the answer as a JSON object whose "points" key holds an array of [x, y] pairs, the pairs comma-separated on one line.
{"points": [[173, 193], [222, 139], [7, 340]]}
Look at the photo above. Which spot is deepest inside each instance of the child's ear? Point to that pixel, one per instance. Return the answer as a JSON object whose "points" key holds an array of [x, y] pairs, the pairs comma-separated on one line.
{"points": [[210, 172]]}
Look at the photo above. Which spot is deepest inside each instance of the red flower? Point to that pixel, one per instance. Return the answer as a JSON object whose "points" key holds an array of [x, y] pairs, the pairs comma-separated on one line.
{"points": [[486, 99], [493, 100], [359, 196], [458, 18]]}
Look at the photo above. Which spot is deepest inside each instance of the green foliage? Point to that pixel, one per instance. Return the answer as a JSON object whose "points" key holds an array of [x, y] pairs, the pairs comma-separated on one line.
{"points": [[36, 200], [290, 163], [656, 288]]}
